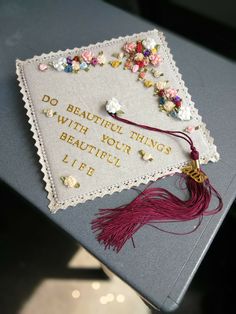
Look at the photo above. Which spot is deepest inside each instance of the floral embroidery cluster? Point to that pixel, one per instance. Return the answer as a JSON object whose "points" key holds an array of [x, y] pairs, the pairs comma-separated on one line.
{"points": [[170, 102], [77, 63], [141, 54], [140, 57]]}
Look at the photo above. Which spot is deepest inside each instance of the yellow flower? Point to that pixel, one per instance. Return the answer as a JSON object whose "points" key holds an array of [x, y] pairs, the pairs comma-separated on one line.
{"points": [[154, 50], [115, 63], [70, 182], [148, 83]]}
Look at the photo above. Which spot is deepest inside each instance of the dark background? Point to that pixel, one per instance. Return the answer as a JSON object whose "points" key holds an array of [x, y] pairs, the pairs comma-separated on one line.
{"points": [[210, 23]]}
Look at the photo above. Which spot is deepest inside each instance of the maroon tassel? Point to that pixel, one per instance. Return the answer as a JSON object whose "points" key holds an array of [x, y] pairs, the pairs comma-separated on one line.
{"points": [[115, 226]]}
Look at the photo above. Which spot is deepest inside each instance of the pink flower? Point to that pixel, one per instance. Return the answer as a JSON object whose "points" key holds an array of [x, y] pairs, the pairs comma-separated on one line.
{"points": [[87, 56], [128, 64], [135, 68], [170, 92], [94, 61], [190, 129], [155, 59], [129, 47]]}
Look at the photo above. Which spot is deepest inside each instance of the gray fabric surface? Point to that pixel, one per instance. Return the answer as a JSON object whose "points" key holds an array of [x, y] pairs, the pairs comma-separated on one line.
{"points": [[162, 266]]}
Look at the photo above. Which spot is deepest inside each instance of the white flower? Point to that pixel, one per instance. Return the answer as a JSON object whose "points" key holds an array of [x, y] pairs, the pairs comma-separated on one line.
{"points": [[139, 56], [161, 84], [70, 182], [121, 55], [48, 113], [184, 113], [168, 106], [156, 73], [101, 59], [75, 65], [149, 43], [59, 64], [113, 105]]}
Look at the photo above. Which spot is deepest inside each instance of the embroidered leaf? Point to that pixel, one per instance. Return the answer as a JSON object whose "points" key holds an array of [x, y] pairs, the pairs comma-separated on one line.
{"points": [[119, 112]]}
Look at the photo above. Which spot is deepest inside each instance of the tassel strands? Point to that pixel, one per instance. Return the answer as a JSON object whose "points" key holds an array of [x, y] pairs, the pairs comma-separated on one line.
{"points": [[115, 226]]}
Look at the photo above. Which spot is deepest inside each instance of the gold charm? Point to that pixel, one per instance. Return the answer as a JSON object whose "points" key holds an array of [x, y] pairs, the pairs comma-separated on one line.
{"points": [[193, 170]]}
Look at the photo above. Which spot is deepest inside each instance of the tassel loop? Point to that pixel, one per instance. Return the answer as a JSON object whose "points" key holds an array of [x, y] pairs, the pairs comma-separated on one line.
{"points": [[194, 153]]}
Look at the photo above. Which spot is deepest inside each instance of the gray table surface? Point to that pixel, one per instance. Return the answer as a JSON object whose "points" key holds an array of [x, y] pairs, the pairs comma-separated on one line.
{"points": [[161, 266]]}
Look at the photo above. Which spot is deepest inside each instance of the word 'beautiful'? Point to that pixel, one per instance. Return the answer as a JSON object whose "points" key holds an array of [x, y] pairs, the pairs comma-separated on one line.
{"points": [[95, 119], [89, 148]]}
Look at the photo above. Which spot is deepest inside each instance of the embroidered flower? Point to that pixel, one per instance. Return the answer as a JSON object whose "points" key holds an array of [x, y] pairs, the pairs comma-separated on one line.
{"points": [[76, 58], [147, 52], [101, 59], [155, 59], [140, 64], [146, 61], [59, 64], [49, 113], [113, 106], [171, 93], [68, 68], [70, 182], [149, 43], [115, 63], [189, 129], [139, 47], [184, 113], [129, 47], [145, 156], [156, 73], [139, 56], [87, 56], [148, 83], [161, 85], [42, 67], [94, 61], [168, 106], [69, 60], [128, 64], [142, 75], [83, 66], [135, 68], [75, 66]]}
